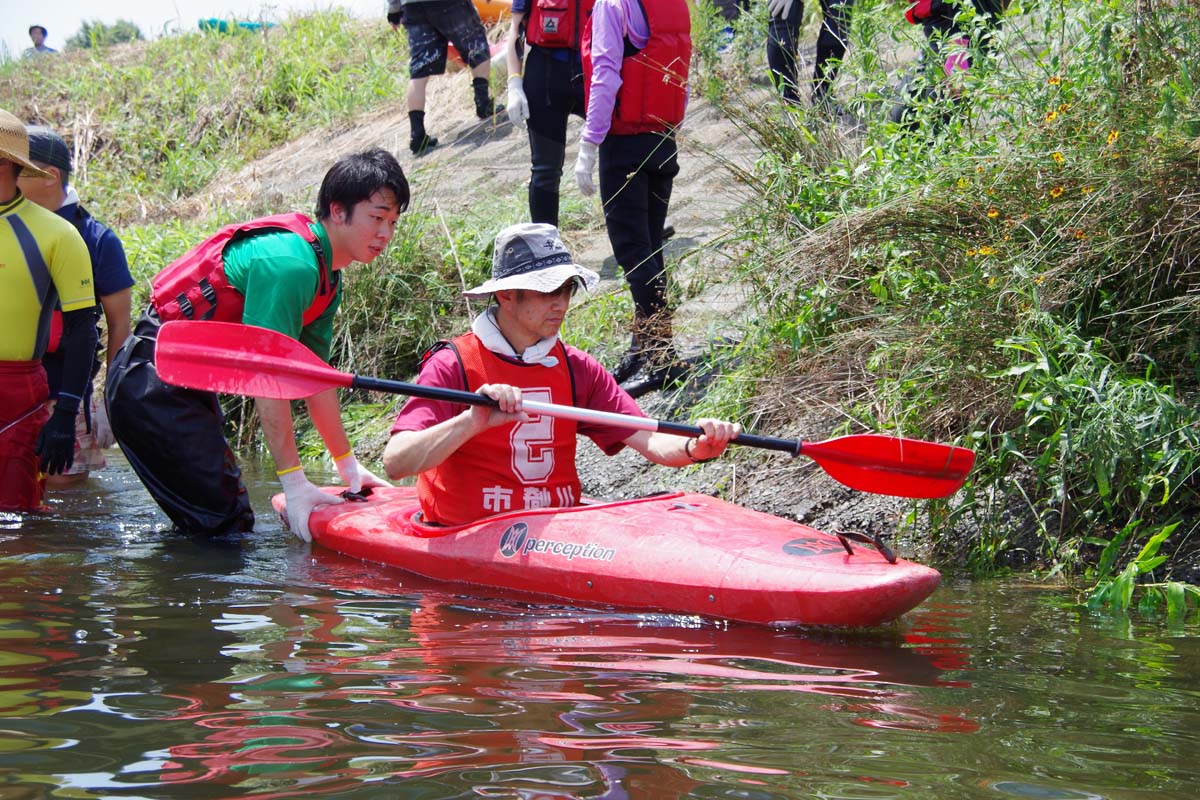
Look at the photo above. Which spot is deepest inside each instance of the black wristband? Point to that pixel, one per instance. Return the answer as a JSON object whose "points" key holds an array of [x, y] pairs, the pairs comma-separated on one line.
{"points": [[67, 403], [687, 450]]}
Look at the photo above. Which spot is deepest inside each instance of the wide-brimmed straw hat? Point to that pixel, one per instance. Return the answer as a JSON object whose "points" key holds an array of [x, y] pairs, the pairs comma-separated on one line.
{"points": [[532, 256], [14, 145]]}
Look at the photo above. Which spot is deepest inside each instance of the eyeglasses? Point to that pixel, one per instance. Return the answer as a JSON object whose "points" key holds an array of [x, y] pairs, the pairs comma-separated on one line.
{"points": [[568, 289]]}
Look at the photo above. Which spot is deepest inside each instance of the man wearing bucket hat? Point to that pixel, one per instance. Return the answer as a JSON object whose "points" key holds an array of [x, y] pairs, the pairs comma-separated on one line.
{"points": [[476, 461], [112, 283], [45, 265]]}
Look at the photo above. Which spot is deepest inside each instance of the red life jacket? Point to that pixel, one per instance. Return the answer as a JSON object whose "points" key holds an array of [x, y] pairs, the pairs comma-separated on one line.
{"points": [[557, 23], [510, 467], [194, 286], [653, 93]]}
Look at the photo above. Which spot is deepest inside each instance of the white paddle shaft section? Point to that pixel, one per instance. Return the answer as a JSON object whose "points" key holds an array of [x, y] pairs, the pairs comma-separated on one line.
{"points": [[588, 415]]}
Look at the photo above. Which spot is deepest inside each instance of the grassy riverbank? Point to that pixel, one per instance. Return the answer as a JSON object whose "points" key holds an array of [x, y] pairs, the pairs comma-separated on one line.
{"points": [[1017, 273]]}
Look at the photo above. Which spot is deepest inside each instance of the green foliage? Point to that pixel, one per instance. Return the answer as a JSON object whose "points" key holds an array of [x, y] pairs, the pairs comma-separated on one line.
{"points": [[100, 34], [1116, 594], [159, 126], [1017, 271]]}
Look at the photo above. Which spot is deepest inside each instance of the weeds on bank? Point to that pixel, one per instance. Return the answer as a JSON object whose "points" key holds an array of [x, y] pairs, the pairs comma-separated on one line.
{"points": [[158, 122], [1016, 273]]}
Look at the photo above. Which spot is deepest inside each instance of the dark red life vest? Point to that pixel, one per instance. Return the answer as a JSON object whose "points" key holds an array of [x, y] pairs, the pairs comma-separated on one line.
{"points": [[194, 286], [653, 93], [557, 23]]}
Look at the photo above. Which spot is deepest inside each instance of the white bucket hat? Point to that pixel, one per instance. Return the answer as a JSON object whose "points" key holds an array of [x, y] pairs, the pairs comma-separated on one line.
{"points": [[14, 145], [532, 256]]}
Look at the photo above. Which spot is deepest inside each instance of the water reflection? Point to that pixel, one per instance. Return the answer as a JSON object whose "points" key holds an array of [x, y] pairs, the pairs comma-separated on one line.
{"points": [[137, 663]]}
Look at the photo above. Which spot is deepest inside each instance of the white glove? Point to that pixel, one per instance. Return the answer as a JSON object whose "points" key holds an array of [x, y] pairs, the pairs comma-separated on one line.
{"points": [[585, 164], [101, 430], [779, 8], [302, 498], [355, 475], [517, 103]]}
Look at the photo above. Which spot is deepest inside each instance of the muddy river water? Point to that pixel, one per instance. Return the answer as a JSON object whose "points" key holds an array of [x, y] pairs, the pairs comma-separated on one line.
{"points": [[138, 663]]}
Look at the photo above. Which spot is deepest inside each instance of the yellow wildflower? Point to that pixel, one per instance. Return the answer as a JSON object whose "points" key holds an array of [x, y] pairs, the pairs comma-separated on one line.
{"points": [[1056, 191], [987, 250], [1058, 157], [1062, 107], [1054, 80], [1053, 115], [1079, 234], [993, 212], [1039, 279], [1113, 135], [963, 183], [970, 252], [1086, 190]]}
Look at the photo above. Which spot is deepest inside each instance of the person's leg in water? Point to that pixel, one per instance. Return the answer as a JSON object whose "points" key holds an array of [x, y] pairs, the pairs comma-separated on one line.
{"points": [[173, 439]]}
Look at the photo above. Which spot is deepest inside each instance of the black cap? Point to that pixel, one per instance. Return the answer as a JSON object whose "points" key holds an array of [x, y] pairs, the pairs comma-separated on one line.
{"points": [[47, 147]]}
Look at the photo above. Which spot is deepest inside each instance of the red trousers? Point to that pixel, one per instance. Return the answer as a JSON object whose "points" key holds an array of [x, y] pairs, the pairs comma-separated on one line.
{"points": [[23, 394]]}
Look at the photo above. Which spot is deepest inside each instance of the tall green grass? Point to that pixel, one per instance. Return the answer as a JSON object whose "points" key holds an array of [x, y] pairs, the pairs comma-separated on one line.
{"points": [[1018, 273], [157, 122]]}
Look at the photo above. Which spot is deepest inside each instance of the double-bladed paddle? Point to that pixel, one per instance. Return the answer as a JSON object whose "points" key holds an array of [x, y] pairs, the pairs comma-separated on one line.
{"points": [[243, 359]]}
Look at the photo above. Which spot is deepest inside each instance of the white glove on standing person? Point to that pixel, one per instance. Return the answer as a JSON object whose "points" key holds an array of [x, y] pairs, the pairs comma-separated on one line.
{"points": [[779, 8], [585, 164], [302, 498], [355, 475], [101, 430], [517, 103]]}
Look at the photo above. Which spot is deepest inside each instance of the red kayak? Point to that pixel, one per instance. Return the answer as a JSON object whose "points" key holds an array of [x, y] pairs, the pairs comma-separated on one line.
{"points": [[678, 553]]}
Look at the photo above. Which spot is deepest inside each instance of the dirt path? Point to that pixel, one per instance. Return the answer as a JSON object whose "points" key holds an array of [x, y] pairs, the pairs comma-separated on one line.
{"points": [[491, 159]]}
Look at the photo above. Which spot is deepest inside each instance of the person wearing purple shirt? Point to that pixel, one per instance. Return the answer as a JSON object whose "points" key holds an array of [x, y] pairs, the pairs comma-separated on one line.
{"points": [[637, 95]]}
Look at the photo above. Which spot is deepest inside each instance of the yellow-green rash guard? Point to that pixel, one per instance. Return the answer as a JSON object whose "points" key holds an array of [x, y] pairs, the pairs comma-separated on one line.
{"points": [[43, 262]]}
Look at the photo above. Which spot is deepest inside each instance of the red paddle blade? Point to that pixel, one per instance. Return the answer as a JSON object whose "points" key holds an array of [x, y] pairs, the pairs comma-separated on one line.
{"points": [[893, 465], [241, 359]]}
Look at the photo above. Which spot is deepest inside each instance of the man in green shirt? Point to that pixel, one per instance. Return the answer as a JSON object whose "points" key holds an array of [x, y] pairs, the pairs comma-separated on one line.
{"points": [[282, 273]]}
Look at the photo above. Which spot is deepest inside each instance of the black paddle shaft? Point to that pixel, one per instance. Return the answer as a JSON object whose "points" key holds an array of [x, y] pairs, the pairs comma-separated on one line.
{"points": [[790, 446]]}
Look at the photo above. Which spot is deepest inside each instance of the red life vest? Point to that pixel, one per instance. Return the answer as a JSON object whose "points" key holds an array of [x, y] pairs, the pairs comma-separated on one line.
{"points": [[653, 93], [557, 23], [510, 467], [194, 286]]}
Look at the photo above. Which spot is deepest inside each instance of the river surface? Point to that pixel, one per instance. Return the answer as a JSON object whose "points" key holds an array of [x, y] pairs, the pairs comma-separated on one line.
{"points": [[138, 663]]}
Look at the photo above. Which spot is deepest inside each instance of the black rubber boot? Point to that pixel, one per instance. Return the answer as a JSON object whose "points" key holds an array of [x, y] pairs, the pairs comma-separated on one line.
{"points": [[484, 106], [630, 364], [419, 142]]}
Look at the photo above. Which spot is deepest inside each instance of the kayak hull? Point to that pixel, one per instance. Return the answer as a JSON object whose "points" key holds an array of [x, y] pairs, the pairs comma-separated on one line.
{"points": [[679, 553]]}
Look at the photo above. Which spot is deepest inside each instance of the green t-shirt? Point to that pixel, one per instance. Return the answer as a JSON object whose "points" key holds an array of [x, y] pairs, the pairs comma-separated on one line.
{"points": [[278, 274]]}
